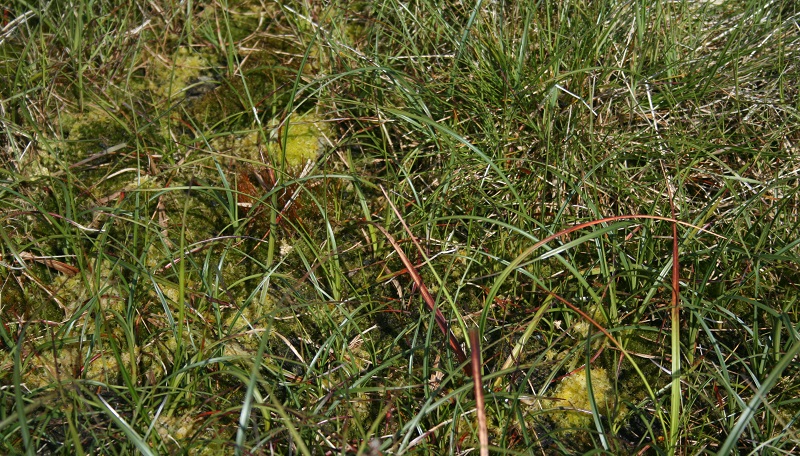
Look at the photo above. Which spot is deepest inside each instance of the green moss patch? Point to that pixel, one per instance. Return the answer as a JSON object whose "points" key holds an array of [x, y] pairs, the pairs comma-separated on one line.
{"points": [[577, 402]]}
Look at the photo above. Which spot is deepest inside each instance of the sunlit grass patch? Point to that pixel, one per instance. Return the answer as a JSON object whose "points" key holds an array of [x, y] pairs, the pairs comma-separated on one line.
{"points": [[268, 228]]}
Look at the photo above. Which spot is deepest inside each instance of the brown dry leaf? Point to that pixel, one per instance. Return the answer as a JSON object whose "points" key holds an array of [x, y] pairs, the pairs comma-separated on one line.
{"points": [[59, 266]]}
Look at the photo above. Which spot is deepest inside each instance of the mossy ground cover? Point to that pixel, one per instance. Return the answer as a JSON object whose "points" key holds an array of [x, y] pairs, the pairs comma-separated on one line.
{"points": [[194, 197]]}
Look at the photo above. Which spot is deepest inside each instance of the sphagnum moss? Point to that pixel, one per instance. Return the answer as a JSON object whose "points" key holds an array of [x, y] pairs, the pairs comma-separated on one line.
{"points": [[305, 139], [573, 414]]}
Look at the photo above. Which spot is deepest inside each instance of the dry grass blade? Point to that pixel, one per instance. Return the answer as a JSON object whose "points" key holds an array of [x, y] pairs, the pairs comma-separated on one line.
{"points": [[426, 296], [675, 315], [59, 266], [480, 403]]}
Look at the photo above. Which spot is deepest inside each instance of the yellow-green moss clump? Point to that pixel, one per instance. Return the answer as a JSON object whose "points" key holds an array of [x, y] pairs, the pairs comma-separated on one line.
{"points": [[170, 79], [86, 133], [178, 429], [97, 365], [93, 125], [574, 394], [305, 139], [91, 361]]}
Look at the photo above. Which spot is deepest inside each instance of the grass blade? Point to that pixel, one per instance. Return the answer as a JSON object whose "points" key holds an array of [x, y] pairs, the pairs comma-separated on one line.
{"points": [[759, 396], [480, 403], [129, 432]]}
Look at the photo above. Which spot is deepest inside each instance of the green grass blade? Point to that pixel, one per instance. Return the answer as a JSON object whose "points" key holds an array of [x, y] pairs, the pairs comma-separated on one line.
{"points": [[758, 397]]}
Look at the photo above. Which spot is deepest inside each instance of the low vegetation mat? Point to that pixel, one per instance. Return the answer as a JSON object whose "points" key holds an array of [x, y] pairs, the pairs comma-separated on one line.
{"points": [[428, 227]]}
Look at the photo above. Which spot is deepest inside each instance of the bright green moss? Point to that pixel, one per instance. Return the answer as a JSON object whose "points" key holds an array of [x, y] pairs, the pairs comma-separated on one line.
{"points": [[93, 125], [305, 140], [576, 401], [188, 69]]}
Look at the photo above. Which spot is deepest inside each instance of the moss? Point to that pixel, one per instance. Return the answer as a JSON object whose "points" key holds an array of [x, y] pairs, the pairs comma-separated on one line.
{"points": [[242, 18], [187, 71], [91, 311], [93, 125], [304, 141], [6, 367], [27, 302], [230, 105], [46, 369], [85, 133], [574, 393], [175, 430], [43, 371], [105, 367], [240, 322]]}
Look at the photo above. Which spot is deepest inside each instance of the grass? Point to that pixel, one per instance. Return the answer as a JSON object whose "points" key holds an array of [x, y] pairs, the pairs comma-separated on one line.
{"points": [[248, 228]]}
